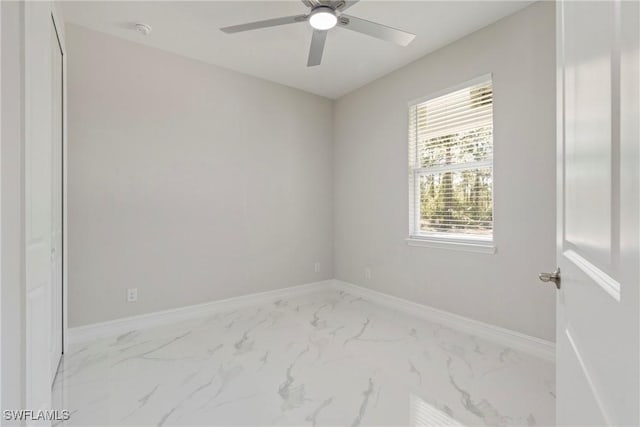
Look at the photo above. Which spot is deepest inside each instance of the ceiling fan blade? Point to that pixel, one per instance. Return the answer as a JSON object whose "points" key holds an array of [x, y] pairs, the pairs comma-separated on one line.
{"points": [[376, 30], [317, 47], [347, 4], [264, 24]]}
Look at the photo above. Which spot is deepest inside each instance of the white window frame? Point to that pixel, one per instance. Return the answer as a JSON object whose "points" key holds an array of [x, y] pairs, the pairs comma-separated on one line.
{"points": [[464, 242]]}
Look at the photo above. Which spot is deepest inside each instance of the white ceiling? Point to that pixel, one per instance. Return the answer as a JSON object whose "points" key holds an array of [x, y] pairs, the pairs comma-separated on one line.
{"points": [[279, 54]]}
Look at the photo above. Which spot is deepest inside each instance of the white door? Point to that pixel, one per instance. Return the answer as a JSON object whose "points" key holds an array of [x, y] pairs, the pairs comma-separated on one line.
{"points": [[598, 336], [56, 200], [37, 176]]}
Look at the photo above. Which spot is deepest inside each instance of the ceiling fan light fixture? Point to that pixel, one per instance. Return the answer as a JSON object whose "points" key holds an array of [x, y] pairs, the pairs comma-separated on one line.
{"points": [[323, 18]]}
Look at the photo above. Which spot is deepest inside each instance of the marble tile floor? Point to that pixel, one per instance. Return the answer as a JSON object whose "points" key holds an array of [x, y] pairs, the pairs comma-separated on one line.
{"points": [[320, 359]]}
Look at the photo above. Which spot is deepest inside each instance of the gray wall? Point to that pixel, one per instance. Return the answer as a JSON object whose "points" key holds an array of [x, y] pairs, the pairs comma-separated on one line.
{"points": [[188, 181], [371, 180]]}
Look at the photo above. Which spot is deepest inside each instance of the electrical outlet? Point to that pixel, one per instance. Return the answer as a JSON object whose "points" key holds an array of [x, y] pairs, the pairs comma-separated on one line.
{"points": [[317, 267], [367, 273], [132, 294]]}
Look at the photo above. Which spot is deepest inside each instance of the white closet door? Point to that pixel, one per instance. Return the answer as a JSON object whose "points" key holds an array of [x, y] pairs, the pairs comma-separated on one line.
{"points": [[37, 176]]}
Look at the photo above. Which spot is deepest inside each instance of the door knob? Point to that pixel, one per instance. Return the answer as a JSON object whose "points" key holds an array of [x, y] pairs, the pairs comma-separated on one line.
{"points": [[551, 277]]}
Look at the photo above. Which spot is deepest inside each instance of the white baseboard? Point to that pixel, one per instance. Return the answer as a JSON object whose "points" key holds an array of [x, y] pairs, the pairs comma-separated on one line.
{"points": [[516, 340], [531, 345], [82, 334]]}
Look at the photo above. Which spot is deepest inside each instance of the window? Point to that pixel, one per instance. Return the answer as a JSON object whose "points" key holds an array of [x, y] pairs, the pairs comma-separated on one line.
{"points": [[451, 165]]}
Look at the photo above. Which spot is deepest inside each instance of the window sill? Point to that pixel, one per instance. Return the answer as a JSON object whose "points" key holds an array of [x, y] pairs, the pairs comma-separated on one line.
{"points": [[466, 246]]}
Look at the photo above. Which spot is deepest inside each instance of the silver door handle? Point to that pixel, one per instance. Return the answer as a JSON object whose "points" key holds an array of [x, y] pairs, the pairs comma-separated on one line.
{"points": [[551, 277]]}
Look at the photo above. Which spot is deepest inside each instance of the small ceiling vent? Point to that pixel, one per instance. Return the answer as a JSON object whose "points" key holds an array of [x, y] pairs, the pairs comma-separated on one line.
{"points": [[143, 29]]}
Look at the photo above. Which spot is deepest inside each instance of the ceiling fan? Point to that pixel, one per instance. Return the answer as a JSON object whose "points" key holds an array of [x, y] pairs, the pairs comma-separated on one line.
{"points": [[323, 16]]}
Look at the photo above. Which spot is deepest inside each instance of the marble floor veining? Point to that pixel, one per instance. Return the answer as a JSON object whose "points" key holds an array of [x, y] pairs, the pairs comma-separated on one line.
{"points": [[326, 358]]}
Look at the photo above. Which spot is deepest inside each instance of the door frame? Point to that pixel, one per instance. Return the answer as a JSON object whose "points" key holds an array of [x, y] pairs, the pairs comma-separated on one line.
{"points": [[12, 282], [1, 208]]}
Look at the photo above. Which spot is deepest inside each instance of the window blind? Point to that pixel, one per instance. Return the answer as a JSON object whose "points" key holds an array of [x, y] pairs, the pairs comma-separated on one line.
{"points": [[451, 164]]}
